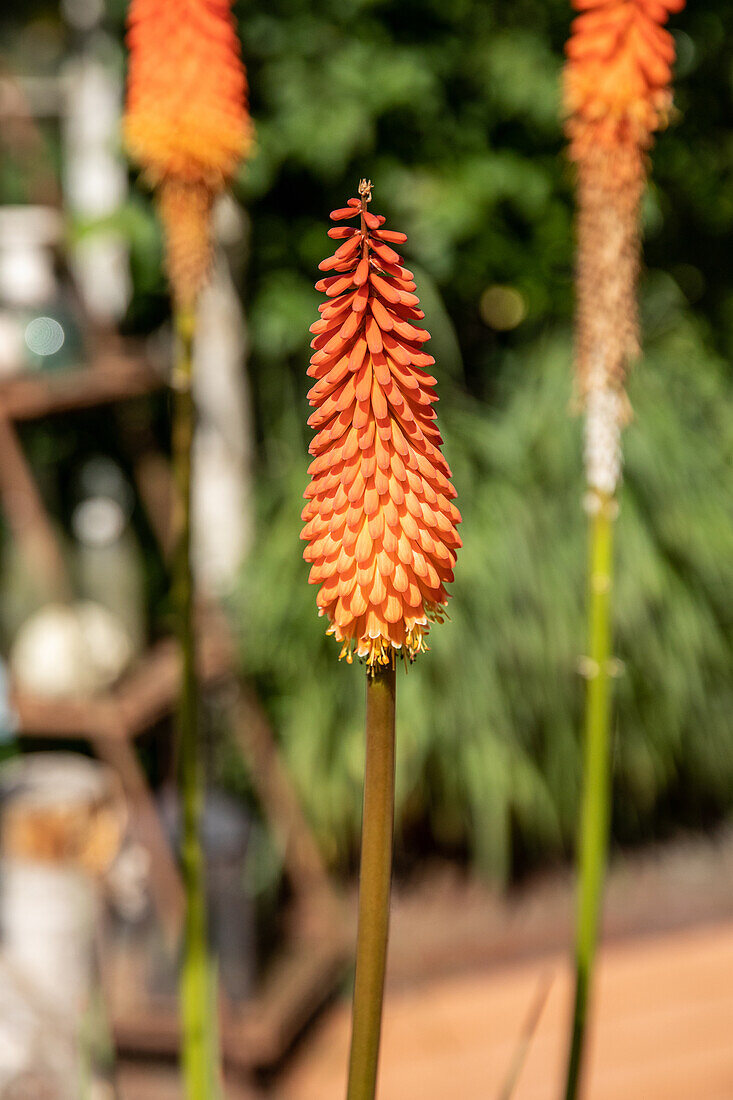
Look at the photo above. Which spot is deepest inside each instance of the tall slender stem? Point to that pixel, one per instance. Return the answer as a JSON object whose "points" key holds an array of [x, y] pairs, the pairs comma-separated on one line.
{"points": [[374, 884], [595, 811], [196, 1023]]}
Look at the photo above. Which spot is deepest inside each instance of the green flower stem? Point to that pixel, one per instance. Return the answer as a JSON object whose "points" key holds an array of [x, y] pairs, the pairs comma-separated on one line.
{"points": [[374, 883], [595, 811], [197, 1028]]}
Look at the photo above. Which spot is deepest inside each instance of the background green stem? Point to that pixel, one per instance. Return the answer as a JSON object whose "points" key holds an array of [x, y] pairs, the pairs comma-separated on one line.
{"points": [[197, 1028], [374, 884], [595, 811]]}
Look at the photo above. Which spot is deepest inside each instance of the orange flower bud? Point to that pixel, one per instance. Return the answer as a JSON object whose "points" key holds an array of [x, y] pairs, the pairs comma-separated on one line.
{"points": [[380, 522], [186, 120]]}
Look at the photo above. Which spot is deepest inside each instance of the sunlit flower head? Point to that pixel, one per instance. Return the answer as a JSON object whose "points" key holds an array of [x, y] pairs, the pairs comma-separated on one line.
{"points": [[186, 112], [617, 95], [186, 120], [618, 73], [380, 521]]}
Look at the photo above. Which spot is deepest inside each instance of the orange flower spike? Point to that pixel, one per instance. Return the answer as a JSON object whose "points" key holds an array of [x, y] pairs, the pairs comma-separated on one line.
{"points": [[618, 73], [186, 119], [380, 522], [617, 95]]}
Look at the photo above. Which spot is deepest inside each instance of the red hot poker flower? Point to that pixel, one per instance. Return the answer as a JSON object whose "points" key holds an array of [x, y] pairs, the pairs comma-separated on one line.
{"points": [[617, 94], [618, 74], [186, 120], [380, 522], [186, 113]]}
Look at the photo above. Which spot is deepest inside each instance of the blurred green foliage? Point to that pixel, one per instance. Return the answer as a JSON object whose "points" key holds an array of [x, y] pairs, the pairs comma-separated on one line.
{"points": [[452, 109], [488, 754]]}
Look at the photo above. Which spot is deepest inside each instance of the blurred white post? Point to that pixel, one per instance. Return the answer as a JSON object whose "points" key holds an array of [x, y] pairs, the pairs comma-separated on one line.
{"points": [[222, 494], [63, 820], [94, 174], [48, 916]]}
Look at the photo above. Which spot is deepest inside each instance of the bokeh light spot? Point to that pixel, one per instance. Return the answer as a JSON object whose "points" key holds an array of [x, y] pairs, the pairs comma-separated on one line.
{"points": [[502, 307], [44, 336]]}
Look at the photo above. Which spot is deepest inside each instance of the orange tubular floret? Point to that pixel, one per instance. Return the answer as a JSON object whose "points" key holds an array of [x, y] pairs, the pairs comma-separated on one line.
{"points": [[618, 73], [380, 522]]}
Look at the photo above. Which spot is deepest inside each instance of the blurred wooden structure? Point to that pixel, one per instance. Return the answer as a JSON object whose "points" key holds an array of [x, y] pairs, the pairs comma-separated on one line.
{"points": [[143, 1081], [258, 1033]]}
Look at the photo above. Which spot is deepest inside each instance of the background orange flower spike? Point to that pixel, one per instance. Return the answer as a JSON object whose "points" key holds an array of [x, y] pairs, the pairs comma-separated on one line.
{"points": [[380, 522], [186, 120], [617, 94], [618, 73]]}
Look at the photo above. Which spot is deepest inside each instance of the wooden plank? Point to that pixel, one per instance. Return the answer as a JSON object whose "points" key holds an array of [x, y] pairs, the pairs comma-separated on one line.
{"points": [[145, 1080], [26, 513], [258, 1035], [301, 856], [66, 719], [115, 376], [145, 825], [296, 989]]}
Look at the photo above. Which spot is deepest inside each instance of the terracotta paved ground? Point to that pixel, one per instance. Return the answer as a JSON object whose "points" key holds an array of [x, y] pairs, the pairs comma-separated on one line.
{"points": [[664, 1030]]}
